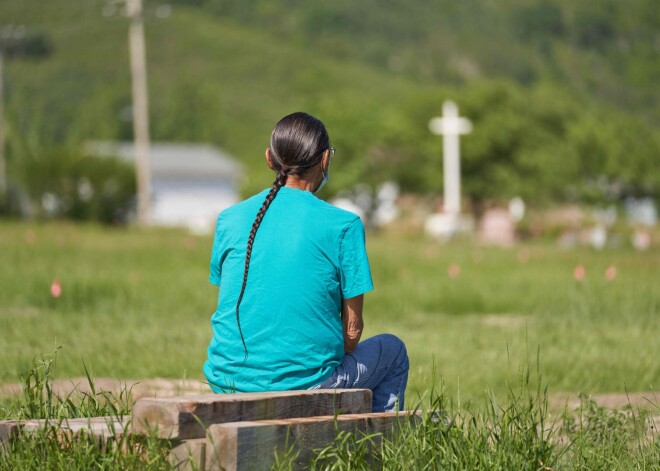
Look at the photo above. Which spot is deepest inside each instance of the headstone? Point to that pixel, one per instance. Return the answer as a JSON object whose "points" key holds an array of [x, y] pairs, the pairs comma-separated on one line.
{"points": [[497, 228], [51, 204], [363, 197], [386, 209], [441, 226], [376, 209], [569, 239], [598, 237], [444, 226], [641, 239], [641, 211], [517, 209], [607, 216], [450, 125], [358, 200], [347, 204]]}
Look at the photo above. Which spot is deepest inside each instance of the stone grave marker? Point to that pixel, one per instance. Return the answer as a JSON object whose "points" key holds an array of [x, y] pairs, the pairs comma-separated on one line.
{"points": [[497, 228]]}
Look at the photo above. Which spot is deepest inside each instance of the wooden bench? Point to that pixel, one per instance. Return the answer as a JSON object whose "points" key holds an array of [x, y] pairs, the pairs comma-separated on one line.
{"points": [[235, 431]]}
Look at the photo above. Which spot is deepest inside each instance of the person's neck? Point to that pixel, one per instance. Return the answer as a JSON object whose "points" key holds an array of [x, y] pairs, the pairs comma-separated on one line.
{"points": [[295, 182]]}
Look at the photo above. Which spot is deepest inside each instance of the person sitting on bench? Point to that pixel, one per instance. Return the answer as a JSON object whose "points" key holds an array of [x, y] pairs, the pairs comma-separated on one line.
{"points": [[292, 271]]}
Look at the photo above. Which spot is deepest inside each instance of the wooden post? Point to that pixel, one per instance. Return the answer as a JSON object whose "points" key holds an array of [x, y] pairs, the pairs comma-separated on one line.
{"points": [[140, 110]]}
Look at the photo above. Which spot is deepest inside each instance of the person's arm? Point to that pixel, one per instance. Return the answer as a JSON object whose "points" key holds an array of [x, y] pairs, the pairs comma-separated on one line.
{"points": [[351, 316]]}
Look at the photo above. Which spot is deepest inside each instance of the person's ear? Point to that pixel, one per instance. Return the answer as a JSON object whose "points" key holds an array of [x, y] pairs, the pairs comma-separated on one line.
{"points": [[269, 161], [326, 161]]}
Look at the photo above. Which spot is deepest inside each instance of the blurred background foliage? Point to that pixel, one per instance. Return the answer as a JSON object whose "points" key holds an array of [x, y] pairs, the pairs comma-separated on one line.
{"points": [[70, 184], [562, 94]]}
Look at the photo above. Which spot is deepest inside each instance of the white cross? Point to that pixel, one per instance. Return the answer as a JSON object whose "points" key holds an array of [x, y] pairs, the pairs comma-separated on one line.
{"points": [[450, 125]]}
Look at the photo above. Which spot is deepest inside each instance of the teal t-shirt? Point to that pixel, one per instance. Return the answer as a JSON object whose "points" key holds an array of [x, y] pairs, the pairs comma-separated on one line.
{"points": [[307, 256]]}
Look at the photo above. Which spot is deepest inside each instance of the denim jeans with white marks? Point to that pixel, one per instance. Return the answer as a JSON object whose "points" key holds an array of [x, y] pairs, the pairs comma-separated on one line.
{"points": [[379, 363]]}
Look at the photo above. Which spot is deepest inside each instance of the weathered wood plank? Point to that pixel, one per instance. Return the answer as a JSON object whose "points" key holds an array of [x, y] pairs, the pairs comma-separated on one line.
{"points": [[100, 426], [251, 445], [8, 430], [187, 417], [188, 455], [100, 429]]}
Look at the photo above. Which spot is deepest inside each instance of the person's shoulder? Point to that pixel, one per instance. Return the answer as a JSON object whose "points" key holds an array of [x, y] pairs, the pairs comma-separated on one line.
{"points": [[338, 215], [245, 207]]}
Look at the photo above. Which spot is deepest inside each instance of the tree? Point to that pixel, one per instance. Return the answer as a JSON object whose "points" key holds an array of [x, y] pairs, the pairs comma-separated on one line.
{"points": [[15, 41]]}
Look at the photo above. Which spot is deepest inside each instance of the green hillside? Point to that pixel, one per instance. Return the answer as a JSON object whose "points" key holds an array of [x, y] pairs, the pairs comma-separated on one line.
{"points": [[605, 49], [210, 80], [556, 108]]}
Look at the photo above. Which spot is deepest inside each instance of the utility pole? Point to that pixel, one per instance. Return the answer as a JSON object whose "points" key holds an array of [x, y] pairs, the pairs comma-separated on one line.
{"points": [[140, 109]]}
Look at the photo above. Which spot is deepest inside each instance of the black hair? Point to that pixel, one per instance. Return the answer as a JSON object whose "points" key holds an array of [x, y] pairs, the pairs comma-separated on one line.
{"points": [[297, 143]]}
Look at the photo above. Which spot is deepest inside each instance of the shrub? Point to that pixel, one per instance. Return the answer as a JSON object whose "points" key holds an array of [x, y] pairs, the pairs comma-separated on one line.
{"points": [[69, 184]]}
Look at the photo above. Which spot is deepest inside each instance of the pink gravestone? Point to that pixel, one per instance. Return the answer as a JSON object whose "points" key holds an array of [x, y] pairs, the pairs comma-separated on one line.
{"points": [[497, 228]]}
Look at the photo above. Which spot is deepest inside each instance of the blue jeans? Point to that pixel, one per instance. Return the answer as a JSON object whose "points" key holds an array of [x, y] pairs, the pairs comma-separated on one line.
{"points": [[379, 363]]}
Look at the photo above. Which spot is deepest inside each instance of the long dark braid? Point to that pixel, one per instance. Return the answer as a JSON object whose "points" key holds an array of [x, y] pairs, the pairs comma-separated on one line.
{"points": [[297, 143], [279, 182]]}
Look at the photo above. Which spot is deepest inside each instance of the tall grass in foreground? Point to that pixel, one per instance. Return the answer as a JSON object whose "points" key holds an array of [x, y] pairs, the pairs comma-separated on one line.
{"points": [[514, 433], [39, 401], [50, 449]]}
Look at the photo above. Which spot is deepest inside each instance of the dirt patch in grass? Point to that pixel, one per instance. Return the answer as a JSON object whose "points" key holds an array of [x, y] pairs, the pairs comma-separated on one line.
{"points": [[156, 387], [648, 401], [645, 400], [164, 387], [505, 320], [25, 312]]}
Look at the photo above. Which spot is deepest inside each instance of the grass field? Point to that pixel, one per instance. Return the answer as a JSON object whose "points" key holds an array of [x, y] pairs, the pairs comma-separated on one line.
{"points": [[136, 304], [509, 323]]}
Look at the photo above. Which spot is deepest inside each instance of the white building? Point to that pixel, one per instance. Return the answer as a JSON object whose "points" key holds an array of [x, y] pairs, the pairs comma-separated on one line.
{"points": [[190, 183]]}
